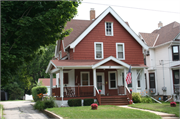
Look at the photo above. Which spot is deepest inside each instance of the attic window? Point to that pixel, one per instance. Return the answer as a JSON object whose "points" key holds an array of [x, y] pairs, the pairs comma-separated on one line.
{"points": [[109, 28], [60, 55]]}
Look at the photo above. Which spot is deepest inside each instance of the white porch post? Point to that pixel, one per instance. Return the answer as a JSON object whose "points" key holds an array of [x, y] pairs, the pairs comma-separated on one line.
{"points": [[94, 77], [142, 81], [134, 80], [51, 83], [119, 77], [61, 83], [125, 83]]}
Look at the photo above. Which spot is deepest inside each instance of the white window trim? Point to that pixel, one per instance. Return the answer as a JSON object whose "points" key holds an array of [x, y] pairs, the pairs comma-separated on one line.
{"points": [[109, 79], [88, 78], [117, 51], [111, 29], [101, 49]]}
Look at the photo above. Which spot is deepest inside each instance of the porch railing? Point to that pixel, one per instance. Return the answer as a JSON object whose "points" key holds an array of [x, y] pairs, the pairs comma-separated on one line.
{"points": [[98, 96], [121, 90], [75, 91], [128, 93]]}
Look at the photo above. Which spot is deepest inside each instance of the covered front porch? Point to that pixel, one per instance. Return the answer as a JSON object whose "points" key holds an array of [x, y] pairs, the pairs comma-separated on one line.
{"points": [[84, 79]]}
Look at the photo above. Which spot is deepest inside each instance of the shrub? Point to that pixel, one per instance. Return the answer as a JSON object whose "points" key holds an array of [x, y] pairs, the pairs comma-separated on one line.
{"points": [[88, 102], [146, 100], [39, 105], [49, 102], [136, 97], [74, 102], [38, 91]]}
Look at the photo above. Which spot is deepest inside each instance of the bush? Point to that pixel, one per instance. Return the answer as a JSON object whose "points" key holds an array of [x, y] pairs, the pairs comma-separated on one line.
{"points": [[39, 105], [88, 102], [49, 102], [146, 100], [136, 97], [74, 102], [38, 91]]}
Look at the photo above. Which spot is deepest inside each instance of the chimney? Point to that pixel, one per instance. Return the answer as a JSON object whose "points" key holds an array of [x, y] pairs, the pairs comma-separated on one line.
{"points": [[92, 14], [160, 24]]}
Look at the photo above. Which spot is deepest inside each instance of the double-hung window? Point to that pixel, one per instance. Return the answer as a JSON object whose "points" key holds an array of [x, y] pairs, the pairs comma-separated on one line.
{"points": [[120, 53], [175, 52], [98, 51], [109, 28], [85, 78]]}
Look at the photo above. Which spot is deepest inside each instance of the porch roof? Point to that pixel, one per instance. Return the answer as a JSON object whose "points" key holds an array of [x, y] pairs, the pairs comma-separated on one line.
{"points": [[108, 63]]}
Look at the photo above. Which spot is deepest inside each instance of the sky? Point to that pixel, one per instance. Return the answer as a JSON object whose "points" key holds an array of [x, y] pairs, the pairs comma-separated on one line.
{"points": [[142, 15]]}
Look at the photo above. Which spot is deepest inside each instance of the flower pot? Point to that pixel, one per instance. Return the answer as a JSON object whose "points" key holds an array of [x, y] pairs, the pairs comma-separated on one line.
{"points": [[130, 103], [173, 105], [94, 108]]}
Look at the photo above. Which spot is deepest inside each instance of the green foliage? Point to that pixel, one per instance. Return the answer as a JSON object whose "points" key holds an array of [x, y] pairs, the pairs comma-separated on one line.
{"points": [[146, 100], [14, 91], [74, 102], [28, 25], [49, 102], [38, 91], [88, 102], [39, 105], [136, 97]]}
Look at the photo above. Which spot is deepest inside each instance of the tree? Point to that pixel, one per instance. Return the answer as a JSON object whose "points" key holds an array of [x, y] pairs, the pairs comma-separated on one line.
{"points": [[27, 25]]}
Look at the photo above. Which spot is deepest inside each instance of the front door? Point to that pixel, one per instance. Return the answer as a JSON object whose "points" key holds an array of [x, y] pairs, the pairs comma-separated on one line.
{"points": [[100, 82]]}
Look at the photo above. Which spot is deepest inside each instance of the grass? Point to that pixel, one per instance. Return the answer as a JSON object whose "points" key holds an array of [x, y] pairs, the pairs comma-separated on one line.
{"points": [[164, 107], [104, 111], [1, 111]]}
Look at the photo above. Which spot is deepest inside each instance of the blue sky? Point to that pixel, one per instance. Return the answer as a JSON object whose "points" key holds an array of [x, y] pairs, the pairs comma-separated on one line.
{"points": [[142, 15]]}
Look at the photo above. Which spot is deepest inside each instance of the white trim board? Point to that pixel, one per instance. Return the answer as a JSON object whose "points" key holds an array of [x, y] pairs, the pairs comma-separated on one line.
{"points": [[118, 18]]}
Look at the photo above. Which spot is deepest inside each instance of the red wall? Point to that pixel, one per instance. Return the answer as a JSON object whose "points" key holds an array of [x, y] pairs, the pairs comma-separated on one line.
{"points": [[85, 49]]}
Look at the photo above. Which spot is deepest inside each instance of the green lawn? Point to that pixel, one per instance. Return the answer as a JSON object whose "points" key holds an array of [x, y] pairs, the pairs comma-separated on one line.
{"points": [[1, 111], [104, 111], [164, 107]]}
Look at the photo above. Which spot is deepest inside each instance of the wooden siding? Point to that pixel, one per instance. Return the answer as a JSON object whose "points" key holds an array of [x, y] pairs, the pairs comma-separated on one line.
{"points": [[111, 63], [85, 49]]}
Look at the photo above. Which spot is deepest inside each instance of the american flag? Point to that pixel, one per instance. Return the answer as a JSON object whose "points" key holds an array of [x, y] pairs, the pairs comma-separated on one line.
{"points": [[128, 77]]}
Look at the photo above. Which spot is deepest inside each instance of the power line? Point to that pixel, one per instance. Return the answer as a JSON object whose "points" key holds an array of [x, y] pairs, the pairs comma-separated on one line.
{"points": [[132, 7]]}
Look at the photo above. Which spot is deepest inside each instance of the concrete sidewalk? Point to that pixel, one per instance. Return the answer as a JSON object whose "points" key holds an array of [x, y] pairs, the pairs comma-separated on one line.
{"points": [[162, 114]]}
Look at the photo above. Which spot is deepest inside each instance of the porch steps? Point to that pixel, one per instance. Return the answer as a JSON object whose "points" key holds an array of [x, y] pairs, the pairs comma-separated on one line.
{"points": [[114, 100]]}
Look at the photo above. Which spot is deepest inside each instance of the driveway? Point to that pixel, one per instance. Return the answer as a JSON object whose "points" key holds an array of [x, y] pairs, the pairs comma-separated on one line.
{"points": [[21, 110]]}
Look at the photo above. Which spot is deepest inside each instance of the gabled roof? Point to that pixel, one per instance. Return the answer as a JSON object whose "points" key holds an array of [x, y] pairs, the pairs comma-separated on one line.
{"points": [[166, 33], [98, 19], [109, 59]]}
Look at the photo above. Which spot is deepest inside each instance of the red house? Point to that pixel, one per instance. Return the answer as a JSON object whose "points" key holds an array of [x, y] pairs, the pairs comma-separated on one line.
{"points": [[97, 55]]}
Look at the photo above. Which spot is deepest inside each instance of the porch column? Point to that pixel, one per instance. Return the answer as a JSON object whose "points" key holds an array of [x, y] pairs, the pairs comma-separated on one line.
{"points": [[134, 80], [119, 77], [142, 81], [61, 85], [51, 83], [125, 83], [94, 80]]}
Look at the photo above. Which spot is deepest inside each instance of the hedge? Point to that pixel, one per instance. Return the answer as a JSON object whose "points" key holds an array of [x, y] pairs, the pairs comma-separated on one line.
{"points": [[74, 102], [88, 102], [38, 91]]}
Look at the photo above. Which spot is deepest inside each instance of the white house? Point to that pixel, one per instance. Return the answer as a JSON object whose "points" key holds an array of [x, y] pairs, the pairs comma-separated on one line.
{"points": [[162, 59]]}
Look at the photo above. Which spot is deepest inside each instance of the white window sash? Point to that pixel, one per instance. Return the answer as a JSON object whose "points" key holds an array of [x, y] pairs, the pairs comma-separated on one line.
{"points": [[95, 50], [117, 51]]}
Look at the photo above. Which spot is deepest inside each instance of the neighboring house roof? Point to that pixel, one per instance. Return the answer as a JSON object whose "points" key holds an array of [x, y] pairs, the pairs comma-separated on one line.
{"points": [[46, 81], [82, 27], [166, 33]]}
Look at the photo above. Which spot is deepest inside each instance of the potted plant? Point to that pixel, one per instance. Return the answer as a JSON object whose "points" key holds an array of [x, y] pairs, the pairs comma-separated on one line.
{"points": [[94, 106], [99, 91], [130, 102], [173, 104], [131, 91]]}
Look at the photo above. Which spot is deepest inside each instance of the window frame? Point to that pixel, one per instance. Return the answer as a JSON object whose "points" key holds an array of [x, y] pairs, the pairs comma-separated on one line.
{"points": [[101, 49], [88, 78], [110, 80], [112, 34], [175, 53], [154, 80], [123, 51], [60, 54]]}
